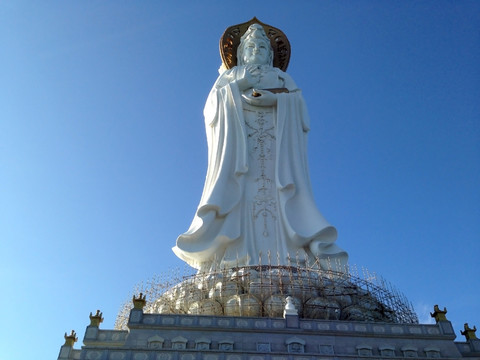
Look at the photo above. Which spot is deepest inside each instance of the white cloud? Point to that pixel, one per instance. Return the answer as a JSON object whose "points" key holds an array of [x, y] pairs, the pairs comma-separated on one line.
{"points": [[423, 312]]}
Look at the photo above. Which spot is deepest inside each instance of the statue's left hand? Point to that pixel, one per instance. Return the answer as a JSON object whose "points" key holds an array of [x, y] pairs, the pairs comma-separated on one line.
{"points": [[260, 98]]}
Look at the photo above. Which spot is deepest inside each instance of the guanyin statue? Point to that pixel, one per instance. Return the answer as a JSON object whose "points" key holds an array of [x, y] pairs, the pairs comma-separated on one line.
{"points": [[257, 205]]}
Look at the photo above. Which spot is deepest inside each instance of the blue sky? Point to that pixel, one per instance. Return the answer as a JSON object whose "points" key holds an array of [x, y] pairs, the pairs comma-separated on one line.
{"points": [[103, 150]]}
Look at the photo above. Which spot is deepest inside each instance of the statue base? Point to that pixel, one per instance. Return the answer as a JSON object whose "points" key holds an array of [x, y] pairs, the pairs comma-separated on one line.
{"points": [[261, 291]]}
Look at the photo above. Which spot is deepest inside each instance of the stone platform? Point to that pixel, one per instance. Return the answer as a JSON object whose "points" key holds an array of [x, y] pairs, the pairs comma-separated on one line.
{"points": [[197, 337]]}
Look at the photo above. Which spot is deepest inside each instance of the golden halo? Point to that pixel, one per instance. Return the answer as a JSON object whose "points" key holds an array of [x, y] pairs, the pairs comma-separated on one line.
{"points": [[231, 39]]}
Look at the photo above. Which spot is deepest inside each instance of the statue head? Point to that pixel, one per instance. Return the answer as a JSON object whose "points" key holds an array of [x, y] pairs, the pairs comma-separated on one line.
{"points": [[255, 47]]}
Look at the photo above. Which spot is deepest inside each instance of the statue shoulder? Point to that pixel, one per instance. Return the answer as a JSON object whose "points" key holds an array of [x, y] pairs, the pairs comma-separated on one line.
{"points": [[288, 80], [225, 77]]}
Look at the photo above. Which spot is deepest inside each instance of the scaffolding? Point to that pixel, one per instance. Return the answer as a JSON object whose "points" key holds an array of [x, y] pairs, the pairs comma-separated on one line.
{"points": [[261, 291]]}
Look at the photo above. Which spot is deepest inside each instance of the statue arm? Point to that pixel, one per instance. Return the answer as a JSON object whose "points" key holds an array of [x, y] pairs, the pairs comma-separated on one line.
{"points": [[224, 78], [288, 81], [214, 100], [294, 91], [269, 97], [240, 76]]}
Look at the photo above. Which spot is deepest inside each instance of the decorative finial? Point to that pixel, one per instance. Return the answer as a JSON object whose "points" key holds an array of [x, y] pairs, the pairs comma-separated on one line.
{"points": [[469, 333], [71, 339], [96, 319], [290, 307], [438, 314], [139, 303]]}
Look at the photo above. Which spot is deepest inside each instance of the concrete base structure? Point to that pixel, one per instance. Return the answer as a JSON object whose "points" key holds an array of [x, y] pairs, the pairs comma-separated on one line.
{"points": [[197, 337]]}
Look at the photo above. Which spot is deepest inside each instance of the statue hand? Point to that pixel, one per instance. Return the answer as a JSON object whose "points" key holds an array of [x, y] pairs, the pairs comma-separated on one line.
{"points": [[252, 68], [245, 79], [260, 98]]}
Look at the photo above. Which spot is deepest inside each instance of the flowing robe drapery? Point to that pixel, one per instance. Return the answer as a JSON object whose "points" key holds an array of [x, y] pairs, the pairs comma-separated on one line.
{"points": [[219, 236]]}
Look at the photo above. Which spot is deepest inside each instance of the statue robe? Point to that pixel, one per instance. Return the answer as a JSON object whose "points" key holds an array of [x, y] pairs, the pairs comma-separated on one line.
{"points": [[219, 236]]}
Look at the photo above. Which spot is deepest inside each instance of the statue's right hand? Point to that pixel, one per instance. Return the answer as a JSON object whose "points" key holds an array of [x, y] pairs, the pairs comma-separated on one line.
{"points": [[245, 79]]}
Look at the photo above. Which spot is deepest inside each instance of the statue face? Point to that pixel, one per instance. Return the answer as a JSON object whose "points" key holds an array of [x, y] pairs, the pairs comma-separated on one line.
{"points": [[256, 51]]}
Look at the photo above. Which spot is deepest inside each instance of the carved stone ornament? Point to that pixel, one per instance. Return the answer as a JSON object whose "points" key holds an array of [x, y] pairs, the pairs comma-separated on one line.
{"points": [[469, 332], [97, 319], [71, 339], [139, 303], [231, 39], [438, 314]]}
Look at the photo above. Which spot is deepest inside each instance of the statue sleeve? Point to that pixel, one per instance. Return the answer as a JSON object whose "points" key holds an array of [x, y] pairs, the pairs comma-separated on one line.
{"points": [[287, 80], [296, 98], [210, 111]]}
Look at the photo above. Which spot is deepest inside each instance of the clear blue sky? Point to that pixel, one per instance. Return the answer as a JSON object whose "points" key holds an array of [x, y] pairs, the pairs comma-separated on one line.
{"points": [[103, 150]]}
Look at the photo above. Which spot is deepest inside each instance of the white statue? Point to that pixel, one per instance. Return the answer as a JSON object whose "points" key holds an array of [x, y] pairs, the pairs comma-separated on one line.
{"points": [[257, 205]]}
